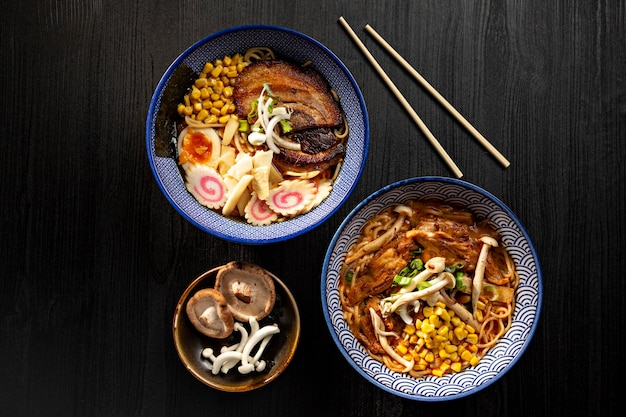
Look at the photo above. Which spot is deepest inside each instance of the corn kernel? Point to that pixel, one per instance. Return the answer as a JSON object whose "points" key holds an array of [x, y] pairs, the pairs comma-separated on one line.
{"points": [[445, 315], [444, 354], [430, 357], [228, 91], [409, 329], [401, 349], [428, 311], [202, 114], [443, 330], [472, 338], [201, 82], [208, 67], [217, 71], [427, 327], [466, 355], [474, 361], [437, 372], [224, 119], [460, 333], [450, 348], [195, 93], [434, 319], [456, 366]]}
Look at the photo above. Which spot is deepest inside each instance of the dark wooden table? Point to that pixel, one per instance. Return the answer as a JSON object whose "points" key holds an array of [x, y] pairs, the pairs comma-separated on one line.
{"points": [[94, 258]]}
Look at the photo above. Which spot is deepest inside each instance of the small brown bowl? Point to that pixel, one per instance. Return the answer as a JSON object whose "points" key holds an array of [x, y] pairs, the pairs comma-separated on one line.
{"points": [[278, 354]]}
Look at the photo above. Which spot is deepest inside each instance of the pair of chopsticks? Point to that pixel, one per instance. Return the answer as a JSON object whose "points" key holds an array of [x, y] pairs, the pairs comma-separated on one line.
{"points": [[432, 139]]}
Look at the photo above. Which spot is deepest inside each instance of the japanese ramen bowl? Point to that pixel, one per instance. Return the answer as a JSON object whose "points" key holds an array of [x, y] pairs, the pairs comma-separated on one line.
{"points": [[277, 354], [162, 118], [528, 297]]}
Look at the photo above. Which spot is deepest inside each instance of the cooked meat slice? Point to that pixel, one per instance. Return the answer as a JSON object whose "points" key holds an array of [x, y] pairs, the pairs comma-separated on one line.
{"points": [[448, 239], [382, 268], [320, 149], [301, 89], [496, 263]]}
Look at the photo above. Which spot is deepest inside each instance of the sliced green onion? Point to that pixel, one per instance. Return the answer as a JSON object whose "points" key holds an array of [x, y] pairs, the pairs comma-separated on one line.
{"points": [[459, 281], [423, 285]]}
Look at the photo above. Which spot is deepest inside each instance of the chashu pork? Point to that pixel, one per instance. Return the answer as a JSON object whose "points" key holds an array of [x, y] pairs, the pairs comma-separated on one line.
{"points": [[303, 90], [314, 112], [320, 149]]}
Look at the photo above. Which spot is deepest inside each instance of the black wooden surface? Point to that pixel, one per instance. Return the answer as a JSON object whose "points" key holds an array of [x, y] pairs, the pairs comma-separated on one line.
{"points": [[94, 258]]}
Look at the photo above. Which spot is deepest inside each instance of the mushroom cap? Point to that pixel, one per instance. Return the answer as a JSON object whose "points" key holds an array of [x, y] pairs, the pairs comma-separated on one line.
{"points": [[248, 289], [209, 313]]}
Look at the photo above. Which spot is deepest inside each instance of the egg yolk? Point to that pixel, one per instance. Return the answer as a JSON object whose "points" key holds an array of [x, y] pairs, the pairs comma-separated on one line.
{"points": [[196, 148]]}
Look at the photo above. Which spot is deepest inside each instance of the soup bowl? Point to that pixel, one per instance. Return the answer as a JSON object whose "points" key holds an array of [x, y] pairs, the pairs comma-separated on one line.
{"points": [[161, 128], [528, 296]]}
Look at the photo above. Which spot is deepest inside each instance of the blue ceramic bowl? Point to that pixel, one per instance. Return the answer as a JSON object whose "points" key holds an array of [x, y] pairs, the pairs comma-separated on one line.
{"points": [[503, 355], [162, 116]]}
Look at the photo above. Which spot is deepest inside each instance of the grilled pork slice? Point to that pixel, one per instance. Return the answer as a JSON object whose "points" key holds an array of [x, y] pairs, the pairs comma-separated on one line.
{"points": [[320, 149], [303, 90]]}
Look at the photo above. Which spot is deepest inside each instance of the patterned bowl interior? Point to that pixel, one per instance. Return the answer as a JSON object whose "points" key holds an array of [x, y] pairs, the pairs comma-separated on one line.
{"points": [[286, 43], [528, 302]]}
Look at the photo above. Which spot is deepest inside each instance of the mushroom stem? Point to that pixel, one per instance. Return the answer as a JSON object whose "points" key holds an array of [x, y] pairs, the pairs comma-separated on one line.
{"points": [[432, 266], [391, 304], [458, 309], [259, 336], [379, 328], [477, 283]]}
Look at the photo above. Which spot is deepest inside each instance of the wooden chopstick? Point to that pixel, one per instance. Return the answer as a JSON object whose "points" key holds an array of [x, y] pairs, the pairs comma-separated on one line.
{"points": [[494, 152], [434, 142]]}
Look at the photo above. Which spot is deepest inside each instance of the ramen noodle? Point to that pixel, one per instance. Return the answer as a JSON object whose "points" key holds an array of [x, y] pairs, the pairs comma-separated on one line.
{"points": [[427, 288]]}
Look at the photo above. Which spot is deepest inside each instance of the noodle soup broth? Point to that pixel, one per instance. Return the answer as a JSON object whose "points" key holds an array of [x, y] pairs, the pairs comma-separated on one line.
{"points": [[407, 338]]}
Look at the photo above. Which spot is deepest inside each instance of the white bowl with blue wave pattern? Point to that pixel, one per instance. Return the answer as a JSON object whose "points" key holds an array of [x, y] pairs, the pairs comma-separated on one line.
{"points": [[503, 355], [287, 44]]}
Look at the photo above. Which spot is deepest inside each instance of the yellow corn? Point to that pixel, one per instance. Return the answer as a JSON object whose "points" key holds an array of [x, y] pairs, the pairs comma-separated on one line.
{"points": [[467, 355], [202, 114], [213, 88], [440, 342]]}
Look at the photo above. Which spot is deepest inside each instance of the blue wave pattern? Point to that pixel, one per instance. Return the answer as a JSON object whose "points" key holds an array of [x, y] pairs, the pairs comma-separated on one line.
{"points": [[300, 48], [503, 355]]}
